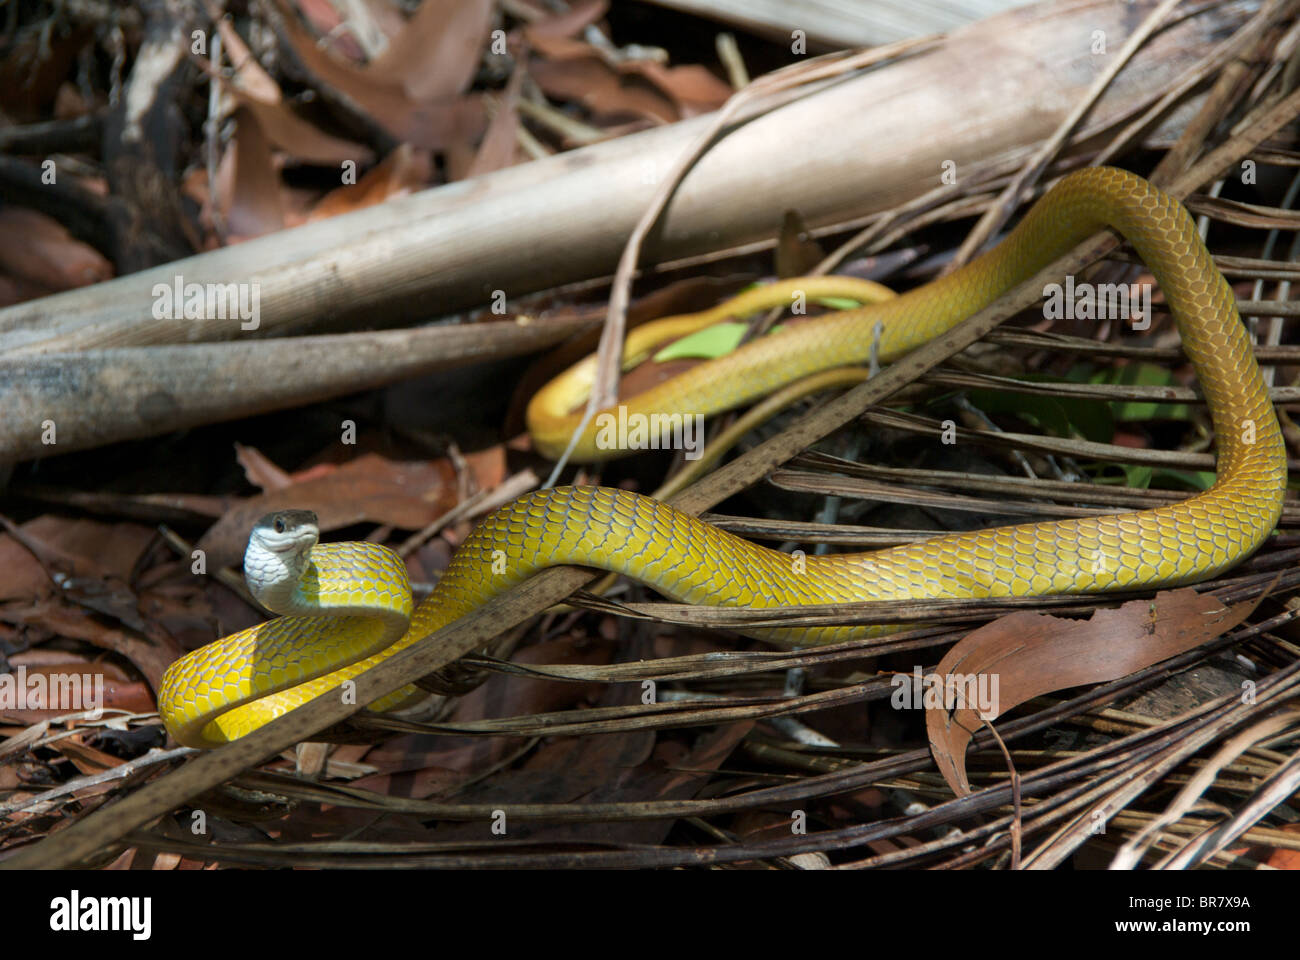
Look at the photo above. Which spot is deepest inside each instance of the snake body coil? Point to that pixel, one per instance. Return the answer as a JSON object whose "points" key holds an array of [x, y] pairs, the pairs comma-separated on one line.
{"points": [[234, 685]]}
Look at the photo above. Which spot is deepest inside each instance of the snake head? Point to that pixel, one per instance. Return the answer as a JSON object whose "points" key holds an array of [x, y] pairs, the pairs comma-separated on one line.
{"points": [[277, 556], [286, 531]]}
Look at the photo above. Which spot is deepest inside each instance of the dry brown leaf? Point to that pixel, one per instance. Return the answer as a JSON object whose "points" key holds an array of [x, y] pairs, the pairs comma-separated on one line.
{"points": [[88, 564], [692, 87], [36, 63], [579, 16], [456, 759], [299, 139], [120, 692], [561, 47], [81, 548], [323, 469], [569, 768], [180, 606], [487, 466], [1028, 654], [312, 824], [24, 577], [247, 76], [562, 770], [259, 471], [369, 489], [619, 768], [69, 102], [436, 55], [150, 508], [253, 205], [254, 89], [386, 15], [1279, 858], [606, 92], [38, 249], [428, 124], [85, 758], [418, 778], [402, 172], [684, 778], [195, 186], [499, 148], [797, 253], [324, 17], [571, 69], [150, 656]]}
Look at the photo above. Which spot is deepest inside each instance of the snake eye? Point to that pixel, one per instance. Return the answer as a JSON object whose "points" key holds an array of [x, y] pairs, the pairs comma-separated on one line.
{"points": [[279, 525]]}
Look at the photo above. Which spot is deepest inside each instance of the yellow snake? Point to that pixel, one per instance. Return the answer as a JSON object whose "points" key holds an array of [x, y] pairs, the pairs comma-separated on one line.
{"points": [[234, 685]]}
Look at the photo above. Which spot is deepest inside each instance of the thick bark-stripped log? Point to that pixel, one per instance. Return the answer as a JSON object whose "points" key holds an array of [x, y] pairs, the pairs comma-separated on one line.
{"points": [[59, 402]]}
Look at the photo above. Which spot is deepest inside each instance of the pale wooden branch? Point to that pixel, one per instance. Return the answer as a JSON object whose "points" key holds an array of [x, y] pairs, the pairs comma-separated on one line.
{"points": [[59, 402], [843, 23], [857, 147]]}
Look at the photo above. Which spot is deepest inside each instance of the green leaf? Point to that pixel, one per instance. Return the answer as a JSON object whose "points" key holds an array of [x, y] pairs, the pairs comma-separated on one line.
{"points": [[837, 303], [1119, 474], [1137, 475], [1197, 480], [709, 343], [1062, 416], [1092, 418], [722, 338], [715, 341], [1046, 413], [1147, 375], [1145, 477]]}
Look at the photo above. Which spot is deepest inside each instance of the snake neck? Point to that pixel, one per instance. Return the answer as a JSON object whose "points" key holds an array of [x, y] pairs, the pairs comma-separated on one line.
{"points": [[275, 577]]}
